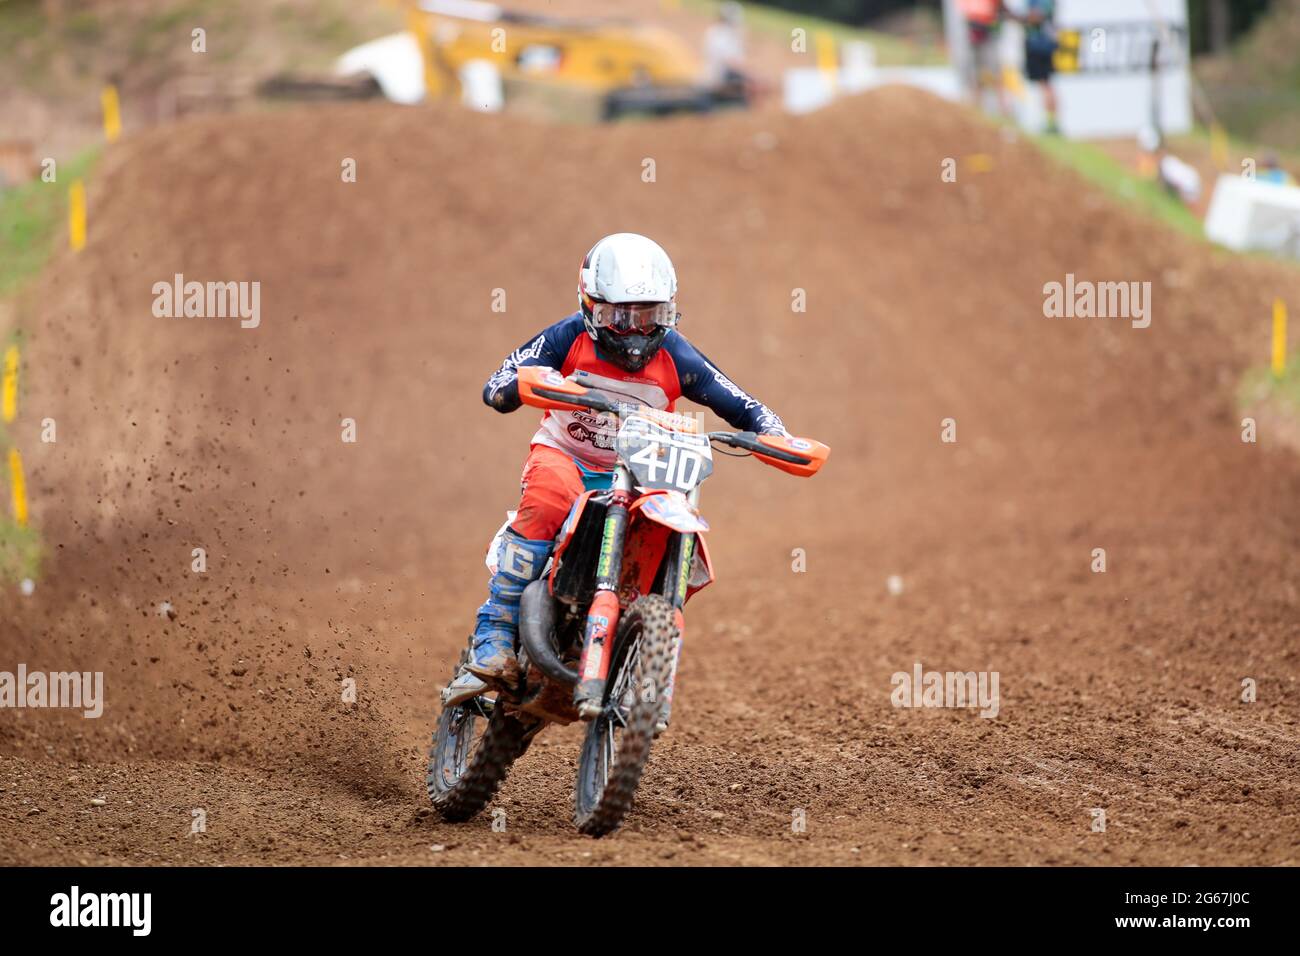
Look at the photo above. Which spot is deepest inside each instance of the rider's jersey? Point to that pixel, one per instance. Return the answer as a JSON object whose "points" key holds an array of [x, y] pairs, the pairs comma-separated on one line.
{"points": [[677, 370]]}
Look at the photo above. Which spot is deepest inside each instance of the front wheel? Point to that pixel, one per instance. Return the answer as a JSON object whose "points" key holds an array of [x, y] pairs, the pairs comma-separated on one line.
{"points": [[617, 746]]}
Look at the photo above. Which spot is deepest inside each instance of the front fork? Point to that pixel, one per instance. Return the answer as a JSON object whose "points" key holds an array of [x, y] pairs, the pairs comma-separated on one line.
{"points": [[602, 616], [676, 586]]}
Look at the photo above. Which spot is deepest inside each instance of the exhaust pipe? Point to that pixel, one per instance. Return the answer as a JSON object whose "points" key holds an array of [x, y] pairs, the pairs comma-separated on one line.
{"points": [[536, 627]]}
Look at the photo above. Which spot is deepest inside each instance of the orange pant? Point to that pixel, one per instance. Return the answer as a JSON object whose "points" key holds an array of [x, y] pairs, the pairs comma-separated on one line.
{"points": [[550, 484]]}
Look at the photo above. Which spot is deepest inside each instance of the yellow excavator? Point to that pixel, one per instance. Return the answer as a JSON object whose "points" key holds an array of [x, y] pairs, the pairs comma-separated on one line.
{"points": [[625, 68]]}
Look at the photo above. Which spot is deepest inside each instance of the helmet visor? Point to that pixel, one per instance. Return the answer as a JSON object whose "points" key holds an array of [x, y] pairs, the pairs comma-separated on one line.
{"points": [[642, 318]]}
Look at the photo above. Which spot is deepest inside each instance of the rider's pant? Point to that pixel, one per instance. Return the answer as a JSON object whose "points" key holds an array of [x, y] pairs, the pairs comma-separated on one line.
{"points": [[551, 482]]}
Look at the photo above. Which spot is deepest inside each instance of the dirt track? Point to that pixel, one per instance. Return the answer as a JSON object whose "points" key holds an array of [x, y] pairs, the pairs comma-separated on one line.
{"points": [[328, 560]]}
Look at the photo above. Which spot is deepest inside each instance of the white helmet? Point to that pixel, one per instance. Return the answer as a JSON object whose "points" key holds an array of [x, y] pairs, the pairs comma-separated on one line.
{"points": [[627, 290]]}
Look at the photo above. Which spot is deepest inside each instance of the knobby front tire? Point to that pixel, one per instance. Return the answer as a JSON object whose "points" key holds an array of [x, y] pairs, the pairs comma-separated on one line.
{"points": [[617, 746]]}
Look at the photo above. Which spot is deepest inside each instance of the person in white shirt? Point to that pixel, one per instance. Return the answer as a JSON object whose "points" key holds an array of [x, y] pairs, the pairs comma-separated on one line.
{"points": [[724, 47]]}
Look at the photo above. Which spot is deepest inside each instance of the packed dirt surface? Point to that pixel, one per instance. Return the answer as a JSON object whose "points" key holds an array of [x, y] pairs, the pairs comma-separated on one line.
{"points": [[1120, 691]]}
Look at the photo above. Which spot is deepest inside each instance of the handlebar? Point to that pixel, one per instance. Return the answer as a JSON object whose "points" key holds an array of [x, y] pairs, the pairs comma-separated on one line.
{"points": [[597, 402], [749, 441], [546, 388], [592, 400]]}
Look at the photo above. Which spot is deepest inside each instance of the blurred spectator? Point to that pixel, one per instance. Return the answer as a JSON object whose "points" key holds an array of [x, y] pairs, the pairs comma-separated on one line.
{"points": [[1040, 47], [1271, 171], [724, 47], [984, 66]]}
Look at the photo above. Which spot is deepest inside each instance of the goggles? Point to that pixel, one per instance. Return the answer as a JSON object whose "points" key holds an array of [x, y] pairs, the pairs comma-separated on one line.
{"points": [[624, 318]]}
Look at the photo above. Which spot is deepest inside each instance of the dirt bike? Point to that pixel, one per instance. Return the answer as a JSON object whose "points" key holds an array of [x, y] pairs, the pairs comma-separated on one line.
{"points": [[600, 633]]}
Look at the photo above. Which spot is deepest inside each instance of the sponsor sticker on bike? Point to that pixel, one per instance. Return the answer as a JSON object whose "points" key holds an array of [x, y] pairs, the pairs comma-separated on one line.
{"points": [[597, 628]]}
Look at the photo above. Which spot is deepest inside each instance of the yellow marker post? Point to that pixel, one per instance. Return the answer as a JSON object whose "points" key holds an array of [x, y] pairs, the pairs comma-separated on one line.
{"points": [[19, 487], [9, 391], [827, 55], [77, 215], [1279, 338], [1219, 146], [112, 113]]}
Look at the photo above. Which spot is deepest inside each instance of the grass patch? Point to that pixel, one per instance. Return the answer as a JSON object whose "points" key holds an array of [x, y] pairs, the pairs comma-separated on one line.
{"points": [[84, 27], [23, 21], [31, 220], [176, 21], [1273, 401], [20, 547], [1259, 386], [20, 552], [1097, 167]]}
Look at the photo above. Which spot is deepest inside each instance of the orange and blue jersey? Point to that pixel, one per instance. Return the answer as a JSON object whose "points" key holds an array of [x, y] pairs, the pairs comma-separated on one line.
{"points": [[677, 370]]}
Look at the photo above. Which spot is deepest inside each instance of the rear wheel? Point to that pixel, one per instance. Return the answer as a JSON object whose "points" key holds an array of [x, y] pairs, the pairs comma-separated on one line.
{"points": [[474, 746], [617, 746]]}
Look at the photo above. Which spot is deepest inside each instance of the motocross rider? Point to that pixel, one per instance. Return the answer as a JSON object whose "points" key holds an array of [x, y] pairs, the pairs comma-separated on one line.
{"points": [[624, 337]]}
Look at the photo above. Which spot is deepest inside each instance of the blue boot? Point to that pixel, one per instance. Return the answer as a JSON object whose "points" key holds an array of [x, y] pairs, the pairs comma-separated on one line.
{"points": [[519, 563]]}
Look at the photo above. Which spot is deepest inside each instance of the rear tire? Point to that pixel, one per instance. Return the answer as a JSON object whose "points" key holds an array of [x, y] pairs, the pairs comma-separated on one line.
{"points": [[465, 772], [617, 746]]}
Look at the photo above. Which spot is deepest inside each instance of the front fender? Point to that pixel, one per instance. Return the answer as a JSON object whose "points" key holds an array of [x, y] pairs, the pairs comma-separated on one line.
{"points": [[672, 510]]}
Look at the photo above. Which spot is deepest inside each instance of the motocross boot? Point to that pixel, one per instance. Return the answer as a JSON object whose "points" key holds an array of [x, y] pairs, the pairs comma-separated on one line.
{"points": [[519, 563]]}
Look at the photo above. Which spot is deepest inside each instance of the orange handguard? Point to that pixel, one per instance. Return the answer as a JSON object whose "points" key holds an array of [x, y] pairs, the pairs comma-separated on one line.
{"points": [[813, 450], [553, 387]]}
